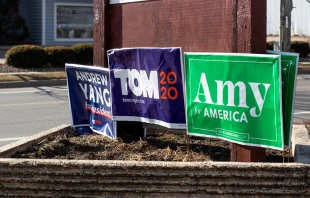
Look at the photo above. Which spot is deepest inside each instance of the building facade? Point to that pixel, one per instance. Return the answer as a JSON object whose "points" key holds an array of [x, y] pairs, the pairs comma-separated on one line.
{"points": [[46, 22]]}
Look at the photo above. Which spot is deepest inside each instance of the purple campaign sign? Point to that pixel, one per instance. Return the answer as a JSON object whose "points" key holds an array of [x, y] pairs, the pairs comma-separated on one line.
{"points": [[147, 86], [90, 102]]}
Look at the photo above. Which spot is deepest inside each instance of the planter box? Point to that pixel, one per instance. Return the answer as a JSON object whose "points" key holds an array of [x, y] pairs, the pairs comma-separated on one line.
{"points": [[86, 178]]}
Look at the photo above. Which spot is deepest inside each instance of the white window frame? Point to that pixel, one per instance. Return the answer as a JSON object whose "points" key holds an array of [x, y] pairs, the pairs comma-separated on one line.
{"points": [[55, 22]]}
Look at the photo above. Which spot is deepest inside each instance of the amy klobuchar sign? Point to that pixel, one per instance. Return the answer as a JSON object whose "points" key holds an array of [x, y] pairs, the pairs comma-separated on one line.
{"points": [[289, 66], [147, 86], [236, 97], [89, 95]]}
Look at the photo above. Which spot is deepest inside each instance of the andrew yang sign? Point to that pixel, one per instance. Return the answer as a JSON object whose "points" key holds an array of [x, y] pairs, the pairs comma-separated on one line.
{"points": [[147, 86], [89, 95]]}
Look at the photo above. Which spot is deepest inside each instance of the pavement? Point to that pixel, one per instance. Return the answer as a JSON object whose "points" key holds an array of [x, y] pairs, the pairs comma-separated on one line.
{"points": [[30, 110], [301, 144]]}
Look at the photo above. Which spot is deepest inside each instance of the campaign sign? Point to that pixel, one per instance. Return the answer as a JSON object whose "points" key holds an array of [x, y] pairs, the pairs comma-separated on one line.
{"points": [[89, 96], [289, 64], [147, 86], [236, 97]]}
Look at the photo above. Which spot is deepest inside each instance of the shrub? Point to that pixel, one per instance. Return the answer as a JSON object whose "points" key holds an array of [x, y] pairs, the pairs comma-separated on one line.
{"points": [[269, 45], [300, 47], [84, 53], [59, 55], [26, 56]]}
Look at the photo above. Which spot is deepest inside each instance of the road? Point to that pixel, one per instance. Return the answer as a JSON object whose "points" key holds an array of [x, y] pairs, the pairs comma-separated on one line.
{"points": [[27, 111], [302, 99]]}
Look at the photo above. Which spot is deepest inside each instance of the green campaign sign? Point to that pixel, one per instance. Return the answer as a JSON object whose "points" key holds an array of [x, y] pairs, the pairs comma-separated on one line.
{"points": [[236, 97], [289, 66]]}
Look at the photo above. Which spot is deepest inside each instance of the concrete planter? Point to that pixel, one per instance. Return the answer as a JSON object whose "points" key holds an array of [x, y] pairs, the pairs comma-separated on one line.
{"points": [[85, 178]]}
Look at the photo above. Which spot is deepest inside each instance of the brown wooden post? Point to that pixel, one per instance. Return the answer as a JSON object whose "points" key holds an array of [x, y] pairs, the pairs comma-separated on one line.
{"points": [[128, 131], [250, 37], [101, 32]]}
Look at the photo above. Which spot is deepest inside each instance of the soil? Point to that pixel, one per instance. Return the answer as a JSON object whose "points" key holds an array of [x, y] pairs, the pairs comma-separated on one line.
{"points": [[158, 145]]}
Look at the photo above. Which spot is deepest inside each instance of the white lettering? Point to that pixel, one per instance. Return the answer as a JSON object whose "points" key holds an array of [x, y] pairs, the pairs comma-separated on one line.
{"points": [[84, 89], [225, 114], [93, 78], [206, 91], [91, 93], [99, 95], [234, 116], [88, 76], [243, 118], [258, 97], [138, 82], [150, 86], [106, 97], [98, 79], [78, 77], [220, 114], [135, 75], [123, 75], [231, 91], [213, 113], [104, 79], [206, 113]]}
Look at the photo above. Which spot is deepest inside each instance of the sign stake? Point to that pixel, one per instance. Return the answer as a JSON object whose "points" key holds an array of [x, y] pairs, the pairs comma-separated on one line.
{"points": [[210, 147], [188, 142]]}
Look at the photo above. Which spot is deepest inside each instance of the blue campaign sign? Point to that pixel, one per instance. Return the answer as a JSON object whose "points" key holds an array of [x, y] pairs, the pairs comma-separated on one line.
{"points": [[89, 96], [147, 86]]}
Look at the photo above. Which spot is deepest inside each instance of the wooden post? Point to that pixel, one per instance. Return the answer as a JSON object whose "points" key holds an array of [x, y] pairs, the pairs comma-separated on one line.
{"points": [[249, 37], [101, 33], [128, 131]]}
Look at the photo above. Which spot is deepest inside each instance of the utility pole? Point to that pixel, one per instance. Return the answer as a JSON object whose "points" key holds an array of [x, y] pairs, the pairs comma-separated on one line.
{"points": [[286, 7]]}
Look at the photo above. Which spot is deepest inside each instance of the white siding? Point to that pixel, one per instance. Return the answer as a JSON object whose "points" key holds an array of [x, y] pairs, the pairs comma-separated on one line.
{"points": [[300, 17], [35, 23], [23, 10]]}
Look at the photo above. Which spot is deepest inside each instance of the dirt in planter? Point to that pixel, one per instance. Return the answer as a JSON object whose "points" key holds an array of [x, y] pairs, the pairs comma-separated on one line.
{"points": [[158, 145]]}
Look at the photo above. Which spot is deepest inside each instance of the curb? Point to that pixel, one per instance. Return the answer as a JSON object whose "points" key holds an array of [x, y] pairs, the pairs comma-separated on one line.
{"points": [[33, 83], [301, 144], [10, 149]]}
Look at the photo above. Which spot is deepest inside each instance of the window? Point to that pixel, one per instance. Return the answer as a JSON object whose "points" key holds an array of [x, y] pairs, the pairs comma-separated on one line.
{"points": [[73, 22]]}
